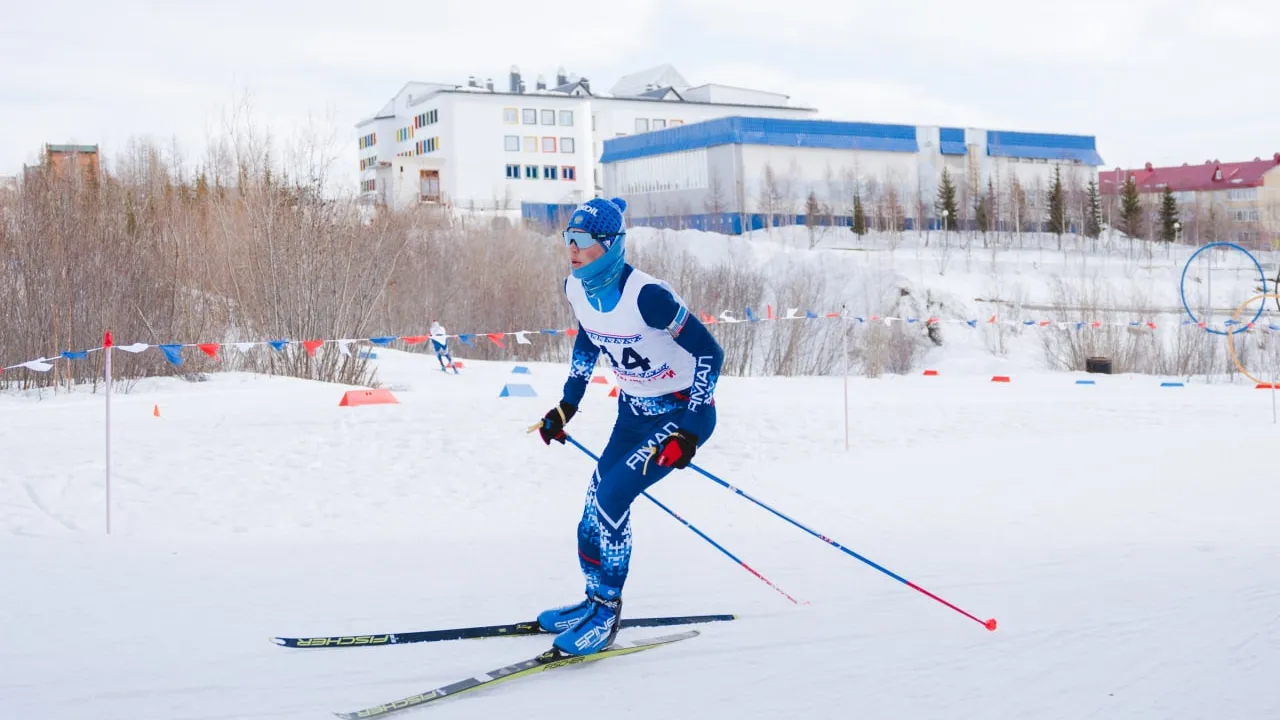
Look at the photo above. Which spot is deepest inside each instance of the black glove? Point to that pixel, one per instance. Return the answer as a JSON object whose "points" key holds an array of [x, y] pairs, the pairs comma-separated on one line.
{"points": [[552, 425], [677, 451]]}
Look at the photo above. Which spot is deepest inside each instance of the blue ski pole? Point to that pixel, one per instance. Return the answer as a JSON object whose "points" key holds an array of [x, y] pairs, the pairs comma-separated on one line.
{"points": [[689, 525], [988, 624]]}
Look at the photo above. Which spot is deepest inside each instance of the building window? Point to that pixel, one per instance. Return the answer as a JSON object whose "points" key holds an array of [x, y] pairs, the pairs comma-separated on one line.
{"points": [[404, 134], [1244, 216], [549, 172], [566, 145], [659, 124], [531, 172], [674, 123], [429, 117], [593, 123], [530, 143], [569, 172], [548, 144], [511, 143], [510, 116], [642, 125], [566, 118], [368, 162], [548, 117], [513, 172], [530, 116], [1243, 194], [368, 140]]}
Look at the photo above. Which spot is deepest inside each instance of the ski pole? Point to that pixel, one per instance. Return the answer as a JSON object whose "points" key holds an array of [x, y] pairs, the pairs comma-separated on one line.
{"points": [[700, 534], [988, 624]]}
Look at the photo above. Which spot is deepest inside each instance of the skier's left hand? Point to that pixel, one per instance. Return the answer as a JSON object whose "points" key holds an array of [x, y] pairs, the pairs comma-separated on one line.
{"points": [[677, 451]]}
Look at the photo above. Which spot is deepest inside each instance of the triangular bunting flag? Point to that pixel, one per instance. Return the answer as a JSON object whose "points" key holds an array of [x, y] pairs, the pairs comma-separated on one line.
{"points": [[496, 339], [210, 349], [173, 353], [521, 339], [311, 346], [134, 348]]}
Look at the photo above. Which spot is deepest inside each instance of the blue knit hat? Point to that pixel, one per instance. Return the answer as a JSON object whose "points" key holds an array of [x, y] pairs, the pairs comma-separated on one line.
{"points": [[602, 218]]}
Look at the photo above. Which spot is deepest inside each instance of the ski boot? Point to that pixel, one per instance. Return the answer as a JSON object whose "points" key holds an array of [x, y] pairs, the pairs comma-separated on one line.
{"points": [[598, 626]]}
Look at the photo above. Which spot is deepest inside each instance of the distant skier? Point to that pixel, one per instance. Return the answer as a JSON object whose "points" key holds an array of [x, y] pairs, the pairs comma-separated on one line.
{"points": [[440, 341], [667, 365]]}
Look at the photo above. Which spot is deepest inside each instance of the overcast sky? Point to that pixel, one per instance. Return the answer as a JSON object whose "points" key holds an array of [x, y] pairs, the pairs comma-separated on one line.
{"points": [[1166, 81]]}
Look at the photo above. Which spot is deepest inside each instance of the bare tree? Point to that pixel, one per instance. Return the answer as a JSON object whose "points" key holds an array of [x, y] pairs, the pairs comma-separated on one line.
{"points": [[714, 202]]}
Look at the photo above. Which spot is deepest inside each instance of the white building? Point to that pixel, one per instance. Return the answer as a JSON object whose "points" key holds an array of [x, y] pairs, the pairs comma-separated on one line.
{"points": [[733, 173], [535, 150]]}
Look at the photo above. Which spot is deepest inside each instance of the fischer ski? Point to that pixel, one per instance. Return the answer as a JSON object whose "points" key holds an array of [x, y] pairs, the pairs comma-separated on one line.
{"points": [[467, 633], [549, 660]]}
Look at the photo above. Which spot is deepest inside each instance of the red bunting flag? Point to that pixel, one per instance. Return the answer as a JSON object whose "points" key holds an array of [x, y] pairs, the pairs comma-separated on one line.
{"points": [[415, 339], [571, 332], [210, 349], [1096, 324], [107, 341], [1153, 325], [312, 346], [932, 321], [992, 320], [770, 311], [496, 339]]}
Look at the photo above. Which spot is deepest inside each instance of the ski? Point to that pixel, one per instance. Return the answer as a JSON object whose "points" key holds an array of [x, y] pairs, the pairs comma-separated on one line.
{"points": [[483, 631], [549, 660]]}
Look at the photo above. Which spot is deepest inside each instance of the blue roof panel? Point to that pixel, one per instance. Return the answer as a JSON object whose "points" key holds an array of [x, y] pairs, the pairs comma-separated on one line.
{"points": [[951, 141], [763, 131], [1043, 146]]}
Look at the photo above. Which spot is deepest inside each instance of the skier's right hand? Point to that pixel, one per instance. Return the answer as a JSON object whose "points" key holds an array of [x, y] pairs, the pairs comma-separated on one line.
{"points": [[552, 425]]}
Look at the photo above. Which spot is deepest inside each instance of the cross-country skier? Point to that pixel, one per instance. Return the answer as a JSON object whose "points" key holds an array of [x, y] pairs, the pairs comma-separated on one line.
{"points": [[667, 365], [440, 341]]}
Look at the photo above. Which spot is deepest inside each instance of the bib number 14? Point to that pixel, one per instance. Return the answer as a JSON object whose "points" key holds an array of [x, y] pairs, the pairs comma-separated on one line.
{"points": [[631, 359]]}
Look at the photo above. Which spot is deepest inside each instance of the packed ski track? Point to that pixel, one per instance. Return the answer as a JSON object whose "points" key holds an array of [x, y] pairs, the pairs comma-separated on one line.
{"points": [[1123, 534]]}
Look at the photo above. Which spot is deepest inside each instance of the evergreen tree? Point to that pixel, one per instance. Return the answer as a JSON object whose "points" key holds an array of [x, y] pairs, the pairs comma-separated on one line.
{"points": [[812, 211], [1131, 210], [1093, 213], [1057, 205], [947, 201], [1168, 216], [859, 226]]}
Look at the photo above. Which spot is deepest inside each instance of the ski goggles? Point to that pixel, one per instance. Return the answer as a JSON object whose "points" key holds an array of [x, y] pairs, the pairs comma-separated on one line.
{"points": [[584, 239]]}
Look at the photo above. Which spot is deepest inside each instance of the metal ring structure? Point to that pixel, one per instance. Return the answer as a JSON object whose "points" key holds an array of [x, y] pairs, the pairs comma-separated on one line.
{"points": [[1182, 285], [1231, 346]]}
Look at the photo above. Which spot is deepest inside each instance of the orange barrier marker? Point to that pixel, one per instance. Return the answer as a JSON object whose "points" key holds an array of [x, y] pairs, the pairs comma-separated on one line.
{"points": [[155, 410], [1000, 378], [930, 372], [613, 392], [380, 396]]}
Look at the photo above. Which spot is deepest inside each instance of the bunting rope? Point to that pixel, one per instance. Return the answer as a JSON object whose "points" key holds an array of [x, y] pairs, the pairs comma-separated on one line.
{"points": [[173, 352]]}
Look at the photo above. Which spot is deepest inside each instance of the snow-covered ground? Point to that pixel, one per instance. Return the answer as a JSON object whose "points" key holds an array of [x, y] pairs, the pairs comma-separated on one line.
{"points": [[1123, 534]]}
